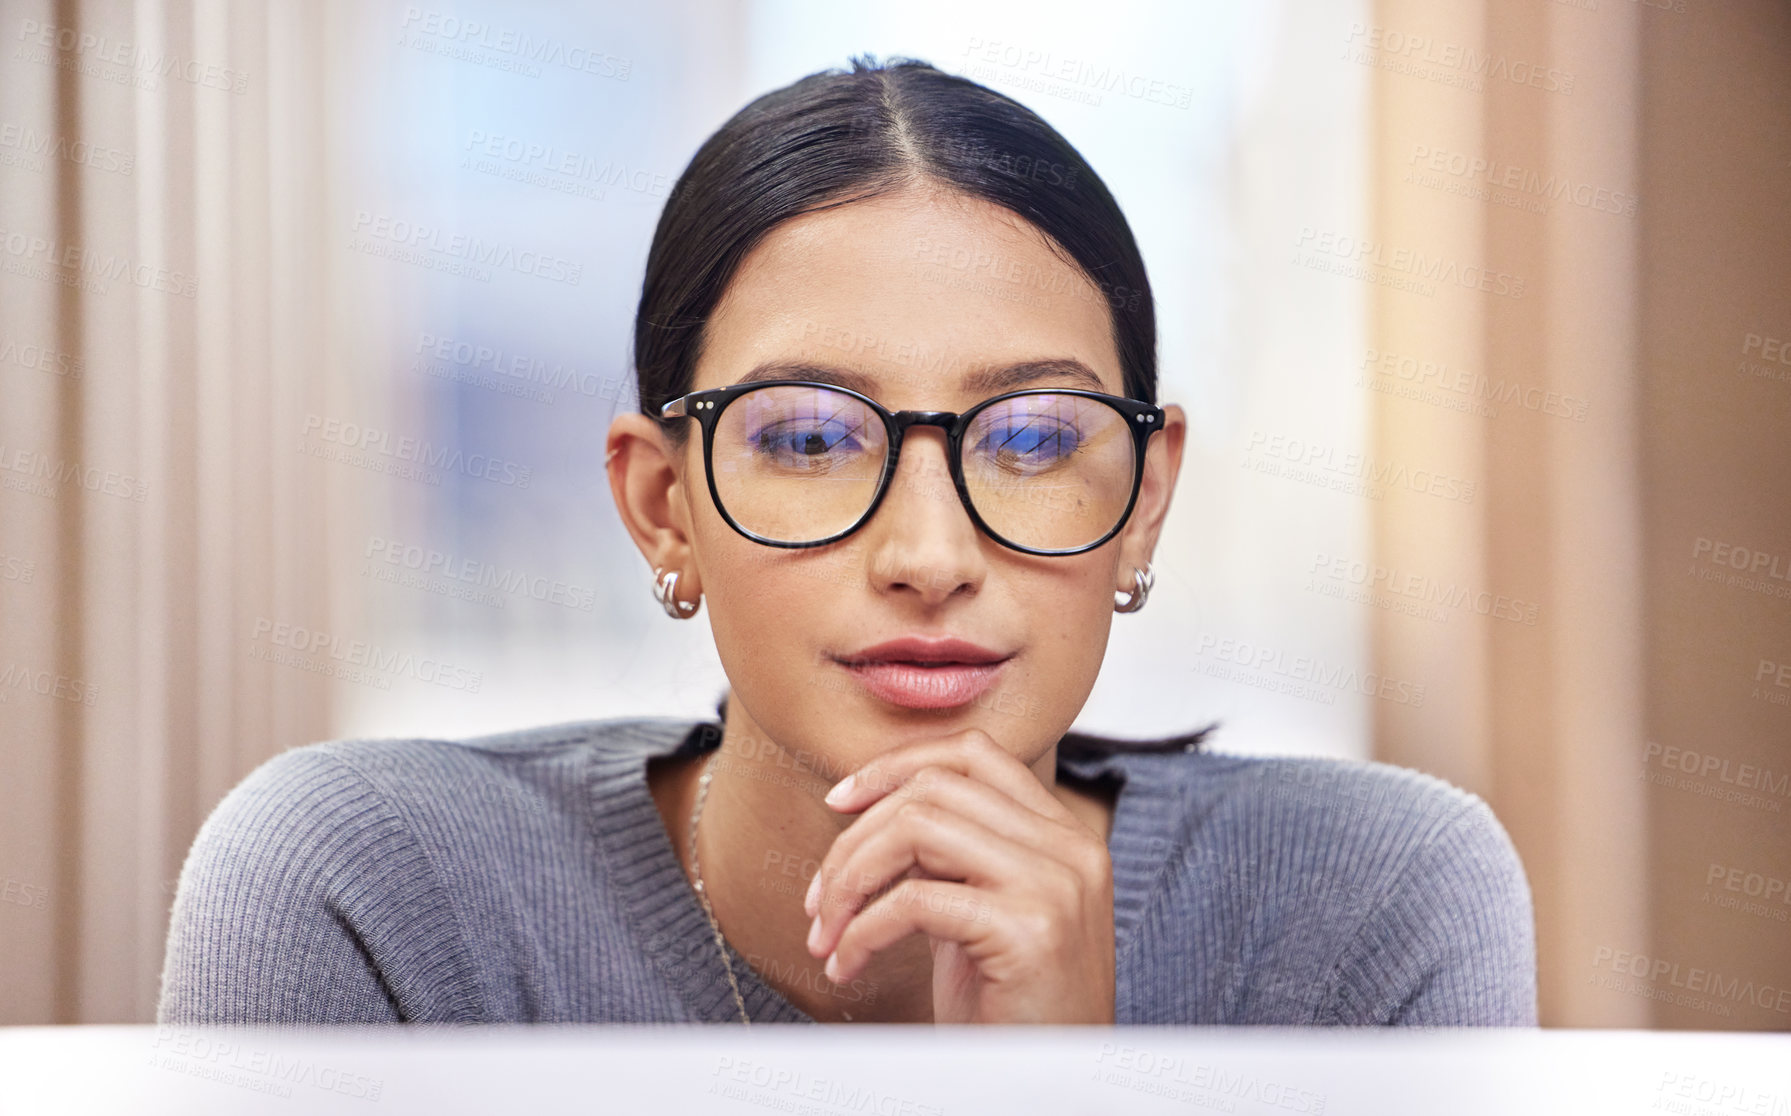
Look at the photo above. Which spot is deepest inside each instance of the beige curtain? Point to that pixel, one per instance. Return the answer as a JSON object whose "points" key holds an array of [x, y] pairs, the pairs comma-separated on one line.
{"points": [[165, 337], [1608, 183]]}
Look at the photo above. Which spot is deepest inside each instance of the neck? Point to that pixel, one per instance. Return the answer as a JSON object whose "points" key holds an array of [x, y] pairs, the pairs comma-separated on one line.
{"points": [[762, 835]]}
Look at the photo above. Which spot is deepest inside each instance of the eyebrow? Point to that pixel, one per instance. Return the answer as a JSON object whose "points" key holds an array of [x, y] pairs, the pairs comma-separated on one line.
{"points": [[987, 380]]}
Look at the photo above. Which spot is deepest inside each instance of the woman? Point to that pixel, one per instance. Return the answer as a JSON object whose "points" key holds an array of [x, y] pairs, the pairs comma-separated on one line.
{"points": [[896, 358]]}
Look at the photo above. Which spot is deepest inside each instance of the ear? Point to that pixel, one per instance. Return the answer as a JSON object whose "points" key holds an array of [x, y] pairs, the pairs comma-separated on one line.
{"points": [[1162, 465], [647, 479]]}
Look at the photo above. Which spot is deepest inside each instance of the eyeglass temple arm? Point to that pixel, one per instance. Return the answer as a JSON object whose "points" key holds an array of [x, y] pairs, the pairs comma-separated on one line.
{"points": [[674, 409]]}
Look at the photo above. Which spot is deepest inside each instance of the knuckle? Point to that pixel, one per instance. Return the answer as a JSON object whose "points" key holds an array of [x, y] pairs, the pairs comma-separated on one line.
{"points": [[908, 893], [981, 741], [1038, 926], [1064, 883], [1093, 863], [843, 885], [932, 775], [921, 784], [866, 883], [916, 811]]}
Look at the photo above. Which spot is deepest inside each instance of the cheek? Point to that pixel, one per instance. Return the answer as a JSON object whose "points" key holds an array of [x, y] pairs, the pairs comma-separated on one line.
{"points": [[1051, 692], [1068, 622], [770, 615]]}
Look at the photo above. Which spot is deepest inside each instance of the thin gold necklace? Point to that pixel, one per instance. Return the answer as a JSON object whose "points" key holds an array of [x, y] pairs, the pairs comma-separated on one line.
{"points": [[703, 892]]}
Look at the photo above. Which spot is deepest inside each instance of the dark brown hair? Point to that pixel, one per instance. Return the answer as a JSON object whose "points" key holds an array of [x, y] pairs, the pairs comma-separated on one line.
{"points": [[840, 136]]}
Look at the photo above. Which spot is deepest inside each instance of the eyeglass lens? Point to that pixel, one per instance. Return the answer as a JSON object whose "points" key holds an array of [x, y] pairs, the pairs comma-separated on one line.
{"points": [[798, 464]]}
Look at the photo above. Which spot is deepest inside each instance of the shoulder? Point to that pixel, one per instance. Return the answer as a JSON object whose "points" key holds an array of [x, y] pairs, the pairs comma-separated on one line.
{"points": [[1371, 831], [325, 807], [336, 780], [1406, 885], [1375, 810], [349, 880], [1361, 802], [325, 812]]}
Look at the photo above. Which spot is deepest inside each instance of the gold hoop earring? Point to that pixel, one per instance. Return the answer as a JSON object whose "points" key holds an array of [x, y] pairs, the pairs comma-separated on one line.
{"points": [[665, 589], [1133, 601]]}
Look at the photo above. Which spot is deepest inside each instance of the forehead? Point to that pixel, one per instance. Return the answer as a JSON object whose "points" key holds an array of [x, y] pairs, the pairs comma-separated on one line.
{"points": [[920, 299]]}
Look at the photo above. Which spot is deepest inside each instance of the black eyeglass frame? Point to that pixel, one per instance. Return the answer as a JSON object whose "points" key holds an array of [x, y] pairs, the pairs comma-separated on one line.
{"points": [[706, 407]]}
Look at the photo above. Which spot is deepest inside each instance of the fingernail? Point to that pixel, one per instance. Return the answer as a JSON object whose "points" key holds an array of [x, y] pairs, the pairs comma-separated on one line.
{"points": [[814, 933], [814, 891], [841, 791], [833, 966]]}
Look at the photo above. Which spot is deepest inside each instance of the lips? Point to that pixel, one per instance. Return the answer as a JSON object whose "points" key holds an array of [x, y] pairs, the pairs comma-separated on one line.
{"points": [[925, 673], [913, 649]]}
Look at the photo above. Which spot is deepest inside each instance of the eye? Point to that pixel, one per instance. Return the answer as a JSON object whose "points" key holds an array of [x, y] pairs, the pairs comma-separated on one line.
{"points": [[1030, 441], [808, 440]]}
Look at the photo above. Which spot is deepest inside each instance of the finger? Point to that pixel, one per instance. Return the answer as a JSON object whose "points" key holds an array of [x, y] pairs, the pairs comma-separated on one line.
{"points": [[938, 908], [949, 790], [972, 753], [940, 843]]}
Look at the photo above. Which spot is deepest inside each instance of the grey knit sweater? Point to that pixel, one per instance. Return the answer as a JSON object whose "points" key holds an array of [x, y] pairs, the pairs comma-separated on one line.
{"points": [[529, 877]]}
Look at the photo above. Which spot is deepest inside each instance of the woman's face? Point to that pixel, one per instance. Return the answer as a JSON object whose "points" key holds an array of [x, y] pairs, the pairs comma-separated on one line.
{"points": [[911, 293]]}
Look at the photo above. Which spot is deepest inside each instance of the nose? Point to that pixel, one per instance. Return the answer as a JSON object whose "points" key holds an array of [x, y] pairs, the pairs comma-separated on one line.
{"points": [[921, 539]]}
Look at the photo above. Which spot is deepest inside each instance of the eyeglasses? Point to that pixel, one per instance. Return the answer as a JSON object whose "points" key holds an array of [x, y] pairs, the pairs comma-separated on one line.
{"points": [[793, 463]]}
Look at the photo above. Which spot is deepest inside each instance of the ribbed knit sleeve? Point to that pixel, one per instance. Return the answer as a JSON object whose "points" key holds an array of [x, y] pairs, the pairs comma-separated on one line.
{"points": [[1451, 942], [304, 900]]}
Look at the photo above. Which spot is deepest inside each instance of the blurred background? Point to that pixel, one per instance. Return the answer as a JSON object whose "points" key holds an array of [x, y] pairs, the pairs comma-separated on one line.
{"points": [[313, 318]]}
